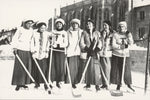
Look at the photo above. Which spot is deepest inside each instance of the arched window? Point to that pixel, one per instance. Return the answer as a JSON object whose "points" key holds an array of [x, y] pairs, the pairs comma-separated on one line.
{"points": [[122, 11], [106, 14], [100, 12], [141, 32]]}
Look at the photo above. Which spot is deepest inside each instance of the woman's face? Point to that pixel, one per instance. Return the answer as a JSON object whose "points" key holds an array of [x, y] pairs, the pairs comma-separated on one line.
{"points": [[42, 28], [90, 25], [75, 25], [59, 25], [105, 26], [122, 28], [28, 25]]}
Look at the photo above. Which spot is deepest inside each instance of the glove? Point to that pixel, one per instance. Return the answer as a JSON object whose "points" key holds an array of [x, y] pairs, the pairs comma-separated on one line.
{"points": [[93, 43], [86, 49], [126, 46], [97, 49], [15, 51], [90, 53]]}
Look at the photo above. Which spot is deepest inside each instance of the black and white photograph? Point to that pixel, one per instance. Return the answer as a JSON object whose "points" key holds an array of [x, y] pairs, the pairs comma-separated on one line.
{"points": [[74, 49]]}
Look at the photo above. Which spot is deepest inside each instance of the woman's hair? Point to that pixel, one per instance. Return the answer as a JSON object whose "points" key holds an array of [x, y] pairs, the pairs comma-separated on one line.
{"points": [[40, 24], [109, 24]]}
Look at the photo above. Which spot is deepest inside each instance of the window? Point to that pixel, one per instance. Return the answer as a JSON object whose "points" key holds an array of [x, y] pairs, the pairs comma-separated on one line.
{"points": [[141, 32], [106, 1], [106, 14], [142, 15], [100, 12]]}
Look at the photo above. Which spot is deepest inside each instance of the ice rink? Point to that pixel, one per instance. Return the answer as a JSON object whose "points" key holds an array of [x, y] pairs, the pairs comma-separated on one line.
{"points": [[7, 91]]}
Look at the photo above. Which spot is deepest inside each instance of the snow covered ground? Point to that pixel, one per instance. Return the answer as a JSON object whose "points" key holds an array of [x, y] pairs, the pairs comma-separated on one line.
{"points": [[7, 91]]}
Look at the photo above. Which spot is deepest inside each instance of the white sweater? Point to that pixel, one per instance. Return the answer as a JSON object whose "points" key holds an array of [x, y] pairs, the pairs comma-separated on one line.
{"points": [[22, 39], [35, 45], [74, 37], [60, 38]]}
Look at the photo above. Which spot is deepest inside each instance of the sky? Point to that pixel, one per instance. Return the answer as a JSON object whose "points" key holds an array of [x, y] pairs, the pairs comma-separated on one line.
{"points": [[12, 12]]}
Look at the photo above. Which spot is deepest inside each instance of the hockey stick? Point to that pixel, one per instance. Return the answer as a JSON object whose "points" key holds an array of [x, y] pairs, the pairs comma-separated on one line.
{"points": [[86, 66], [49, 89], [17, 56], [50, 65], [69, 76]]}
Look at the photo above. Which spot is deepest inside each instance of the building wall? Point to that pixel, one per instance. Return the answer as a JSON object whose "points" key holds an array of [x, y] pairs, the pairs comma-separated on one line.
{"points": [[87, 9], [141, 24], [99, 10], [120, 9], [113, 10]]}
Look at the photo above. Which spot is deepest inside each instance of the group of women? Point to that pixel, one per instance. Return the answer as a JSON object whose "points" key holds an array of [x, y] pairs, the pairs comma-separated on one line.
{"points": [[55, 50]]}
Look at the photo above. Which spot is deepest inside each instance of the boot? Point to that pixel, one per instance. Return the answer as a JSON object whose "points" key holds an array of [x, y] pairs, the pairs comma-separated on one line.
{"points": [[74, 86], [45, 86], [25, 87], [104, 87], [87, 86], [17, 88], [97, 87], [37, 86], [130, 87], [58, 85], [118, 87]]}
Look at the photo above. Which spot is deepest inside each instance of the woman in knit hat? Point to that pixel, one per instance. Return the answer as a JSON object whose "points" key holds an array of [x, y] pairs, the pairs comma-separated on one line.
{"points": [[22, 45], [89, 39], [106, 52], [40, 51], [73, 49], [120, 43], [59, 44]]}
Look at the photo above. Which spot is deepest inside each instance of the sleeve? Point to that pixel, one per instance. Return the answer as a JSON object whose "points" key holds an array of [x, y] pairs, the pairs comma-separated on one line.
{"points": [[82, 42], [115, 45], [68, 38], [99, 45], [48, 42], [15, 38], [130, 39], [33, 43], [65, 40]]}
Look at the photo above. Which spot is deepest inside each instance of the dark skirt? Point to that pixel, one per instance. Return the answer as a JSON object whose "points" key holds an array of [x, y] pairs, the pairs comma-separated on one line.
{"points": [[106, 66], [81, 68], [73, 63], [116, 71], [57, 68], [93, 74], [20, 77], [36, 73]]}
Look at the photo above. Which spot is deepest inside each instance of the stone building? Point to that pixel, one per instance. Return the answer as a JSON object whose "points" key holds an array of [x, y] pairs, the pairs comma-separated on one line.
{"points": [[113, 10], [141, 24], [98, 10], [135, 12]]}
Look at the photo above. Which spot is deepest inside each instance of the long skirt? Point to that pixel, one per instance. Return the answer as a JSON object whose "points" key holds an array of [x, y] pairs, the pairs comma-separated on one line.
{"points": [[93, 74], [106, 66], [81, 68], [20, 77], [116, 71], [58, 66], [36, 73], [73, 63]]}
